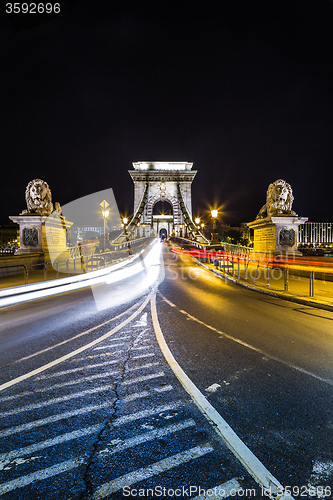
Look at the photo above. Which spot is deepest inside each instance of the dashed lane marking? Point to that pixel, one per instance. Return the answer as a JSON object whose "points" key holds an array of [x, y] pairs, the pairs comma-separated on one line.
{"points": [[152, 470], [245, 344]]}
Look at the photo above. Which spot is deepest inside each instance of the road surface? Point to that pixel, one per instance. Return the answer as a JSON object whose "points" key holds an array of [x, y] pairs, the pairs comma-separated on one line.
{"points": [[193, 387]]}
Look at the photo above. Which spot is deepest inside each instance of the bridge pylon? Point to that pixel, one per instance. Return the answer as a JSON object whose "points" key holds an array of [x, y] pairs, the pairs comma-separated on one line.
{"points": [[169, 183]]}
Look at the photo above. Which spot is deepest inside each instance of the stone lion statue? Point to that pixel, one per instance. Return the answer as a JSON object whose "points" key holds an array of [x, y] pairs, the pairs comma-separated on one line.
{"points": [[38, 198], [279, 200]]}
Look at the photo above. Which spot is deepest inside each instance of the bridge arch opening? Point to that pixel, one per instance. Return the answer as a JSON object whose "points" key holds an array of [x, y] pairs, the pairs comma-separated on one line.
{"points": [[163, 234]]}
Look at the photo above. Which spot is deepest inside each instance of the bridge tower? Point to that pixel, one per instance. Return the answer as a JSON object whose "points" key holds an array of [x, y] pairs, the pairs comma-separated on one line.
{"points": [[169, 183]]}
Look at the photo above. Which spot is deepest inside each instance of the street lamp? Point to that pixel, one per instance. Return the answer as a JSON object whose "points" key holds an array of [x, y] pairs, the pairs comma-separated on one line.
{"points": [[215, 236]]}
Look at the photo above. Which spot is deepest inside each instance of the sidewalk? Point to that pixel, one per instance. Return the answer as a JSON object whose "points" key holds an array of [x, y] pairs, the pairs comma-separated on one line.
{"points": [[294, 287]]}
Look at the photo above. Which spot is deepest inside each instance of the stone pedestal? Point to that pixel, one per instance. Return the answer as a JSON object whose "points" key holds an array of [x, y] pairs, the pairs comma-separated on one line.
{"points": [[42, 234], [277, 235]]}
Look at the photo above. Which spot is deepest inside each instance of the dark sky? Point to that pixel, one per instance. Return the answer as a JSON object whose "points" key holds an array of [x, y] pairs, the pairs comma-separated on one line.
{"points": [[241, 88]]}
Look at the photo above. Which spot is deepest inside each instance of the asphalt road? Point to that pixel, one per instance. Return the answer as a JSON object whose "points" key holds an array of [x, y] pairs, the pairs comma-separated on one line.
{"points": [[91, 408]]}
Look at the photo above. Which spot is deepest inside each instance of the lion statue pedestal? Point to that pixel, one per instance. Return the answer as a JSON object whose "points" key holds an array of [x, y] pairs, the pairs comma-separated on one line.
{"points": [[276, 225], [42, 229]]}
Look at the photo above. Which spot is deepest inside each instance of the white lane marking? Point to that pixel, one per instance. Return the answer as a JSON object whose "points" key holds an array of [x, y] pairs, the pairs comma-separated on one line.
{"points": [[249, 346], [84, 379], [147, 413], [143, 378], [88, 376], [79, 335], [234, 443], [145, 394], [53, 418], [54, 401], [147, 436], [152, 470], [76, 351], [213, 388], [78, 369], [142, 321], [148, 355], [225, 490], [119, 338], [99, 355], [55, 470], [142, 347], [110, 345], [62, 438]]}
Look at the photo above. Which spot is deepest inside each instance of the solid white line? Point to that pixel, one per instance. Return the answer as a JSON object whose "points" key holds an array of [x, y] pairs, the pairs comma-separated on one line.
{"points": [[57, 469], [53, 418], [77, 351], [53, 401], [148, 436], [225, 490], [234, 443], [62, 438], [152, 470]]}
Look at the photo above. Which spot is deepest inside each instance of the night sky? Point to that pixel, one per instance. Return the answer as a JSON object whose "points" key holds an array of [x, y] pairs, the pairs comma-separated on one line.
{"points": [[241, 88]]}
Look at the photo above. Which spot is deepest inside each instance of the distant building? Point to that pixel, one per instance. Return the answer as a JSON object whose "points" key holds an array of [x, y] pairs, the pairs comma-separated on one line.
{"points": [[76, 233], [315, 233], [9, 235]]}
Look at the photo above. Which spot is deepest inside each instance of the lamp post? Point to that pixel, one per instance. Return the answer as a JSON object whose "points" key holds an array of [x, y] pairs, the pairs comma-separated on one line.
{"points": [[215, 236], [106, 214], [125, 222]]}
